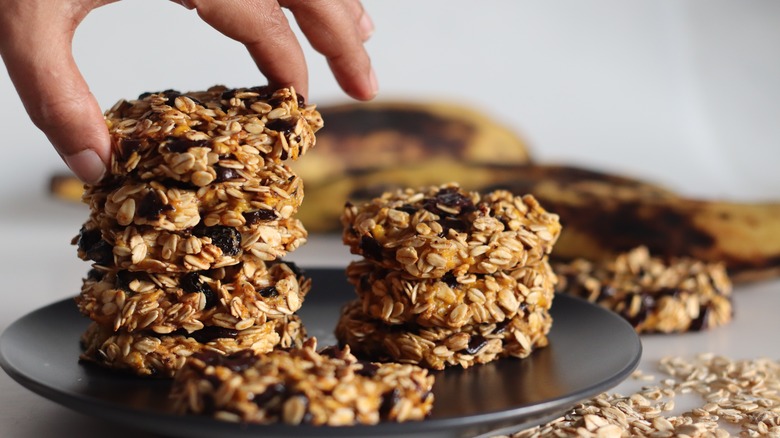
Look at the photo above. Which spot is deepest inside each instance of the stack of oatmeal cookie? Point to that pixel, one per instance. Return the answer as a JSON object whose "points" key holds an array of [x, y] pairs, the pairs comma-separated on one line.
{"points": [[448, 277], [302, 386], [187, 231]]}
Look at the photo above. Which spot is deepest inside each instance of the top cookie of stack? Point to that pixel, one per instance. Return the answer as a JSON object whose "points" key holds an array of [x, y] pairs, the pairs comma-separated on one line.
{"points": [[198, 179]]}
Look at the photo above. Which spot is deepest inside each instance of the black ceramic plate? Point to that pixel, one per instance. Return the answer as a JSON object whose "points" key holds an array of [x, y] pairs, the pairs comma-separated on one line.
{"points": [[590, 351]]}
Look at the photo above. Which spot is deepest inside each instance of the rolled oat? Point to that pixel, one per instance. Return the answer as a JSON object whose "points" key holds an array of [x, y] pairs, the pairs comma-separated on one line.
{"points": [[161, 355], [233, 297], [450, 302], [302, 386], [438, 230], [653, 295], [436, 347]]}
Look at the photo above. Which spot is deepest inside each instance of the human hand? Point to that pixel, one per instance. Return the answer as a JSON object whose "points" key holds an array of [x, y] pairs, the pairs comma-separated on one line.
{"points": [[36, 38]]}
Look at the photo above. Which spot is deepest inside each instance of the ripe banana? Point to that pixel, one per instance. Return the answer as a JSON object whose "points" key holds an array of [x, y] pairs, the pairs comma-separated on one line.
{"points": [[380, 135]]}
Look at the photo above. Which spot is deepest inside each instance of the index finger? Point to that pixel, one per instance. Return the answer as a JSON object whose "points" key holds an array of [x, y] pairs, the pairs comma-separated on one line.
{"points": [[263, 28], [338, 29]]}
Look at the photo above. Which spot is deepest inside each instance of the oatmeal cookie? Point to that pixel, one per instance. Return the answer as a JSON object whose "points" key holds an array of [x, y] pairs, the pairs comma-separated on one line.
{"points": [[651, 294], [275, 192], [204, 136], [235, 297], [436, 347], [450, 302], [301, 386], [144, 248], [152, 354], [443, 229]]}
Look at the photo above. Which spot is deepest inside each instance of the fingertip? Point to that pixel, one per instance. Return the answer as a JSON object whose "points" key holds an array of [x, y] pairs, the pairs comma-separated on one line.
{"points": [[365, 88], [373, 83], [366, 26], [87, 165]]}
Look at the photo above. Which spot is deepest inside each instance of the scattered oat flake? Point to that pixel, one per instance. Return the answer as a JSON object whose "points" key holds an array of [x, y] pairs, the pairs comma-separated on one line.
{"points": [[735, 395]]}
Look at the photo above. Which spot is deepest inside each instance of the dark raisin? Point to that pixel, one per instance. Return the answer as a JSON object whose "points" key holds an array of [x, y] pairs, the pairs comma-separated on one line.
{"points": [[228, 94], [124, 278], [268, 292], [452, 223], [275, 102], [88, 238], [261, 215], [449, 197], [209, 405], [192, 283], [369, 369], [301, 101], [178, 184], [449, 279], [209, 357], [272, 396], [127, 147], [365, 284], [144, 95], [645, 307], [371, 248], [101, 253], [408, 208], [606, 291], [226, 173], [702, 322], [180, 145], [501, 326], [212, 332], [281, 125], [332, 352], [91, 243], [152, 206], [170, 97], [264, 92], [225, 238], [295, 269], [668, 292], [476, 343], [389, 400], [95, 274], [237, 361]]}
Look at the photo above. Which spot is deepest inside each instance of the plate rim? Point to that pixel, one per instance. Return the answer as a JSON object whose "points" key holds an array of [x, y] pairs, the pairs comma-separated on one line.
{"points": [[123, 414]]}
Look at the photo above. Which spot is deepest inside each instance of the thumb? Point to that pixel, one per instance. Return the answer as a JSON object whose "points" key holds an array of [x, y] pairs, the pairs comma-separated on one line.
{"points": [[41, 66]]}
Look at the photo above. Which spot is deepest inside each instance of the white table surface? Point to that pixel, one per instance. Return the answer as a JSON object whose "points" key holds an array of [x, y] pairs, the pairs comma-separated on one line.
{"points": [[39, 267]]}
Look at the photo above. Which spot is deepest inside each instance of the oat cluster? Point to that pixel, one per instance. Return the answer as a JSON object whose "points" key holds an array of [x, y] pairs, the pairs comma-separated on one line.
{"points": [[302, 386], [652, 294], [441, 230], [738, 397], [187, 232], [448, 277]]}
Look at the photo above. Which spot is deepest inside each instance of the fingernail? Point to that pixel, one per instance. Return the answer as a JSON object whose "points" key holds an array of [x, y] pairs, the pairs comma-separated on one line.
{"points": [[372, 80], [366, 26], [87, 165]]}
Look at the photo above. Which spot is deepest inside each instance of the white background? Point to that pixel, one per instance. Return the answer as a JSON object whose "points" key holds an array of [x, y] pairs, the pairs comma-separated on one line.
{"points": [[683, 93]]}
